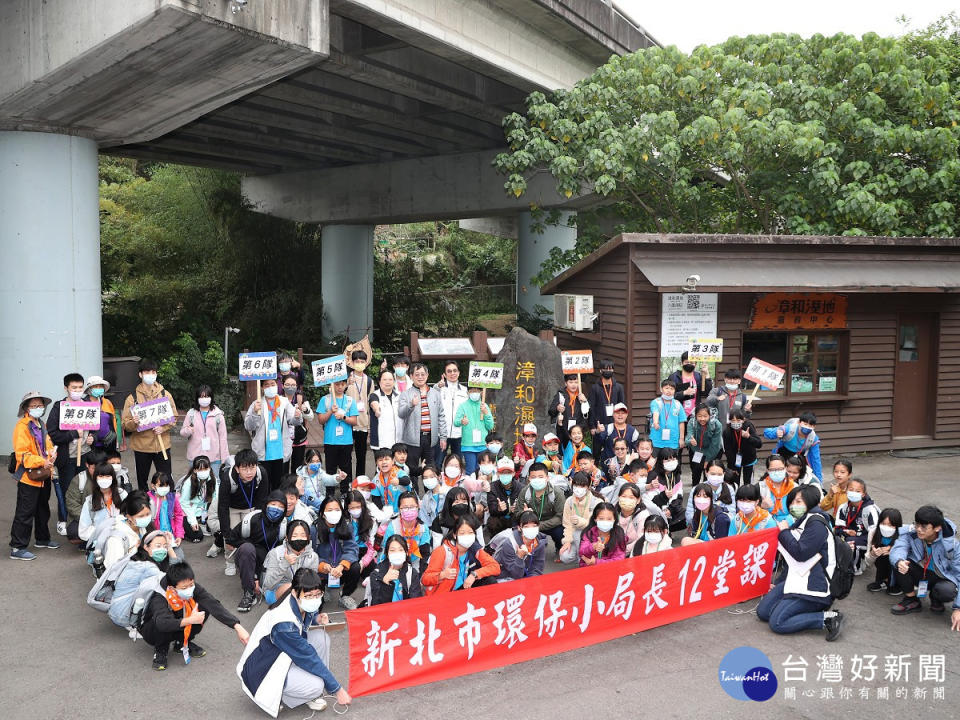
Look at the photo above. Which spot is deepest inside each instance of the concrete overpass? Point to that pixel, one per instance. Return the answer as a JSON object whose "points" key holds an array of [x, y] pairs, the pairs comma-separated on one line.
{"points": [[344, 112]]}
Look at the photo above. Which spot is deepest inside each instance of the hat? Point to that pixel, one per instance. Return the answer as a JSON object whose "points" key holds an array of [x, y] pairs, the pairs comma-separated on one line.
{"points": [[277, 496], [96, 380], [505, 463], [550, 437], [30, 396], [529, 429], [621, 406], [585, 452], [363, 481]]}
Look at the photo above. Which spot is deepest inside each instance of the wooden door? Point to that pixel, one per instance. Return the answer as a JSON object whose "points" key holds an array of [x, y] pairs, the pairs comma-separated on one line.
{"points": [[913, 395]]}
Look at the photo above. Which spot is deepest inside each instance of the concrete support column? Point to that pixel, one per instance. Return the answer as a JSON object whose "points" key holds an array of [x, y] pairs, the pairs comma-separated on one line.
{"points": [[346, 280], [50, 243], [532, 249]]}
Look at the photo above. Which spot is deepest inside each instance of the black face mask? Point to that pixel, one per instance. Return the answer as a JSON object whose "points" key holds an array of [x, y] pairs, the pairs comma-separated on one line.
{"points": [[459, 510], [298, 545], [607, 374], [689, 367]]}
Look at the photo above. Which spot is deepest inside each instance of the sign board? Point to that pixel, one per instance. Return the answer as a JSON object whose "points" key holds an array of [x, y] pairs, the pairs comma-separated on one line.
{"points": [[763, 373], [685, 316], [705, 350], [799, 311], [153, 413], [444, 347], [258, 366], [576, 361], [79, 415], [485, 375], [329, 370]]}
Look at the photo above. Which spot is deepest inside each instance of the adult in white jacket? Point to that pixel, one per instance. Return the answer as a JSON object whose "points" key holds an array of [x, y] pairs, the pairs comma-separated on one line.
{"points": [[452, 395], [384, 420]]}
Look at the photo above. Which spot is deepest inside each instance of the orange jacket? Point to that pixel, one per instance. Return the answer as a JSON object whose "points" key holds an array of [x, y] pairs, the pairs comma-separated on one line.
{"points": [[439, 561], [26, 450]]}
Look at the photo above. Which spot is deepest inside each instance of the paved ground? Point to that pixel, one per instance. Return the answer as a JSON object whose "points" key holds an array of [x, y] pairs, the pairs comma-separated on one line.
{"points": [[62, 659]]}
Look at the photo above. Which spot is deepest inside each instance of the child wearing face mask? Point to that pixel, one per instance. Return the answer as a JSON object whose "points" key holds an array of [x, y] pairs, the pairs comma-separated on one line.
{"points": [[117, 539], [364, 530], [889, 524], [475, 420], [388, 482], [710, 519], [284, 560], [338, 552], [165, 505], [603, 540], [665, 489], [254, 537], [750, 516], [407, 525], [774, 488], [460, 562], [520, 551], [857, 521], [315, 484], [456, 503], [504, 491], [123, 475], [656, 537], [197, 496], [148, 445], [395, 578], [715, 477], [577, 514], [101, 506], [525, 451], [632, 513], [741, 441], [433, 495], [728, 398], [495, 445]]}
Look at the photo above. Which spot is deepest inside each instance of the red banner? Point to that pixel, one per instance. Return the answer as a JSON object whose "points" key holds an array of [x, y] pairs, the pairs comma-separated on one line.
{"points": [[413, 642]]}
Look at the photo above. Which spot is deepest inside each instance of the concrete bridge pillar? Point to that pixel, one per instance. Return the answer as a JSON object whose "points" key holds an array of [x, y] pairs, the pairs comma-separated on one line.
{"points": [[346, 280], [532, 249]]}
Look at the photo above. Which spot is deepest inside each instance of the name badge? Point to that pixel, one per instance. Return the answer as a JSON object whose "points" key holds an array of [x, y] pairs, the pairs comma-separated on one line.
{"points": [[571, 423], [477, 437], [361, 406], [273, 435], [333, 582], [698, 457], [609, 409], [339, 431], [204, 443], [739, 461], [665, 434], [922, 589]]}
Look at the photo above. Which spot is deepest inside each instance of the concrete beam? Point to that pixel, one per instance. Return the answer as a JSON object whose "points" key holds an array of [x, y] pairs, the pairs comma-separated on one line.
{"points": [[124, 71], [501, 227], [414, 190]]}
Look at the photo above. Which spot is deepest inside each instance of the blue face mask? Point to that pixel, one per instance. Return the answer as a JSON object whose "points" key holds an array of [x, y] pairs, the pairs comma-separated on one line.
{"points": [[160, 554], [274, 513], [186, 593], [777, 475], [96, 392], [314, 467], [805, 430]]}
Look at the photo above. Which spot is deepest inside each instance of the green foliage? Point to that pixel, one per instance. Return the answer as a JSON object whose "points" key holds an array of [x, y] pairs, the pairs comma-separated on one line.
{"points": [[185, 367], [763, 134]]}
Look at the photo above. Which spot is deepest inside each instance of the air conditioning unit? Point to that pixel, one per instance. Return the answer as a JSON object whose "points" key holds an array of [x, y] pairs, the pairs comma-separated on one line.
{"points": [[573, 312]]}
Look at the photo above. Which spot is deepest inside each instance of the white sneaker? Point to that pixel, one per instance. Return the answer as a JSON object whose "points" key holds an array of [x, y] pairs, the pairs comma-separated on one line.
{"points": [[133, 634], [230, 569], [319, 704], [213, 551], [61, 528], [206, 533]]}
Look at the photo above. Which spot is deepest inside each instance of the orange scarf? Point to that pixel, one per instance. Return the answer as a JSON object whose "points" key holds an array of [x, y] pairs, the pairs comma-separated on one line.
{"points": [[411, 537], [273, 407], [759, 516], [176, 604], [786, 485]]}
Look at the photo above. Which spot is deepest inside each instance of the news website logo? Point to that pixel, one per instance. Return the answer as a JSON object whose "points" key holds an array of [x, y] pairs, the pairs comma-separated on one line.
{"points": [[746, 674]]}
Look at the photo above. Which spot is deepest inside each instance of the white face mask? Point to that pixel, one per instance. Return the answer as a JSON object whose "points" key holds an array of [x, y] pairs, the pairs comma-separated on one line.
{"points": [[396, 558], [332, 516], [654, 538], [487, 469], [104, 482], [366, 494], [149, 378], [36, 412], [117, 467], [605, 525], [854, 496], [495, 448], [579, 491], [670, 465], [887, 530], [355, 513], [203, 402], [530, 533], [746, 507], [715, 480], [452, 472], [270, 392], [466, 541], [429, 483], [203, 474], [311, 605], [162, 490]]}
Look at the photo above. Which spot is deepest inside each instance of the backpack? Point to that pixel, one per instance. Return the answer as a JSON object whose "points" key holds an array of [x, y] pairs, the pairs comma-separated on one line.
{"points": [[500, 541], [101, 594], [842, 579]]}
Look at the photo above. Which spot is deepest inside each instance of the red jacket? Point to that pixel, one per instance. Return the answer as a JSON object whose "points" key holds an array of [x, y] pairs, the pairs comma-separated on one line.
{"points": [[448, 555]]}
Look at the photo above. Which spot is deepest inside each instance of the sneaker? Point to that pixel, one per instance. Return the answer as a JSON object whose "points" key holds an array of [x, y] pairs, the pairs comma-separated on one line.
{"points": [[133, 634], [877, 586], [935, 605], [195, 650], [49, 544], [230, 569], [317, 705], [894, 591], [213, 551], [21, 554], [160, 658], [833, 626], [206, 533], [347, 602], [907, 605], [247, 602], [62, 528]]}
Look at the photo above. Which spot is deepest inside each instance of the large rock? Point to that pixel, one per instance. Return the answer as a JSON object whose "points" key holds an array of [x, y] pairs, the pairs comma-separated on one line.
{"points": [[531, 378]]}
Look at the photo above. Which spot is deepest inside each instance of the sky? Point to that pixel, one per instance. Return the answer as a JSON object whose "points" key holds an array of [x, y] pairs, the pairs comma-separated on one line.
{"points": [[687, 25]]}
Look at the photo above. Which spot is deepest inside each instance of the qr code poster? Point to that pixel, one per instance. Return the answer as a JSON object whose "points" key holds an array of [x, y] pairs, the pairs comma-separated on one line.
{"points": [[684, 316], [576, 361], [709, 350], [329, 370], [485, 375], [79, 415], [258, 366]]}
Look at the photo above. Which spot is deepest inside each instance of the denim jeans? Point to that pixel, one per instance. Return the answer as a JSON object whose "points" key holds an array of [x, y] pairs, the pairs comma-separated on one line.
{"points": [[791, 614]]}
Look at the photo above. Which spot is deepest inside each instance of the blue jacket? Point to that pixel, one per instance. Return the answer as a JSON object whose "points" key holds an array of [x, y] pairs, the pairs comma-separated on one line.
{"points": [[806, 446], [332, 549], [800, 542], [945, 552], [729, 508]]}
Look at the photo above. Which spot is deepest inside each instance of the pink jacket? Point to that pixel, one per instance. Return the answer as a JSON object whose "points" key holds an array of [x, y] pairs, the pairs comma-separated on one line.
{"points": [[215, 428], [176, 522], [586, 548]]}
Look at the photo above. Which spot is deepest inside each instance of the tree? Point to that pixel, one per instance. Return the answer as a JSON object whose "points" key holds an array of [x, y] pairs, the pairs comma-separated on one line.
{"points": [[763, 134]]}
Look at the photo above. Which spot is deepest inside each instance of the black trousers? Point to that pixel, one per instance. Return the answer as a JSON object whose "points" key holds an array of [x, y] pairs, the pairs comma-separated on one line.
{"points": [[938, 588], [66, 471], [190, 534], [422, 452], [32, 513], [144, 461], [348, 581], [296, 459], [339, 457], [163, 639], [274, 470], [360, 449], [882, 564]]}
